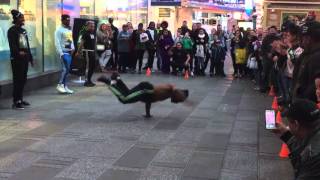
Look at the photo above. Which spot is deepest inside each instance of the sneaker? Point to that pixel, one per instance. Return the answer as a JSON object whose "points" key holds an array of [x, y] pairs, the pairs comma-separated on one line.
{"points": [[89, 84], [17, 105], [68, 91], [115, 76], [61, 89], [25, 103], [191, 74]]}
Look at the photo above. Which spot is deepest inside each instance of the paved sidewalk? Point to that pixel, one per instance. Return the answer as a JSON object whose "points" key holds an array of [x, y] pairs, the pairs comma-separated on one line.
{"points": [[218, 134]]}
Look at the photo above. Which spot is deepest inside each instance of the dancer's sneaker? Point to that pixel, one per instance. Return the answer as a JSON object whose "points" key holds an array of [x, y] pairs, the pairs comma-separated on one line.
{"points": [[115, 76], [60, 88], [68, 91]]}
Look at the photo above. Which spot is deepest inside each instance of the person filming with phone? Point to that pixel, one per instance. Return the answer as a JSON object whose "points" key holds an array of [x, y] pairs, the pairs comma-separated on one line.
{"points": [[302, 135]]}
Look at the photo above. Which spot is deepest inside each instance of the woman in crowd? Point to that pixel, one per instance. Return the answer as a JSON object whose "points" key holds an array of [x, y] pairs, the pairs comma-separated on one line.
{"points": [[240, 53], [104, 45], [187, 45], [165, 43], [201, 43], [124, 48]]}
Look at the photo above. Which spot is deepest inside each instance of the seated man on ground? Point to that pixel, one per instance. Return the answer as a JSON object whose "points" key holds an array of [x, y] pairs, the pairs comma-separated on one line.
{"points": [[144, 92], [303, 138]]}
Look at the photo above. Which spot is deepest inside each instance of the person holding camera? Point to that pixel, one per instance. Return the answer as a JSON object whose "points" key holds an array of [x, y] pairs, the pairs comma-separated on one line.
{"points": [[302, 135]]}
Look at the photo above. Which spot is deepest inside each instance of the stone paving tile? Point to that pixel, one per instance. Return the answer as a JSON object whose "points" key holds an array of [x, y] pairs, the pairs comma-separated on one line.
{"points": [[269, 145], [137, 157], [213, 142], [112, 174], [161, 173], [237, 175], [241, 161], [204, 165], [219, 127], [274, 169], [36, 172], [186, 136], [13, 145], [157, 136], [173, 156], [18, 161], [86, 169]]}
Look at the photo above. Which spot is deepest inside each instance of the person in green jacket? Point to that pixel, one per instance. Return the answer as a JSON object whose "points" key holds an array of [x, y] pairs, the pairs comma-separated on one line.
{"points": [[187, 45]]}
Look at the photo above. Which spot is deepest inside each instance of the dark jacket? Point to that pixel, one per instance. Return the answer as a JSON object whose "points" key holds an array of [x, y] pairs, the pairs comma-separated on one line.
{"points": [[304, 74], [18, 41], [218, 53], [305, 155], [151, 44]]}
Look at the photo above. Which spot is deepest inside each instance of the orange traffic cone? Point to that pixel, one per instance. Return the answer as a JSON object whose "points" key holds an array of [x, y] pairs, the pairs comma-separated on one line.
{"points": [[318, 105], [148, 72], [279, 118], [275, 104], [284, 152], [271, 92], [186, 75]]}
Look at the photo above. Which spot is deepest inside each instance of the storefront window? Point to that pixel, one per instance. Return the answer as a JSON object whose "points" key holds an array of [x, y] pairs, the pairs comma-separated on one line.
{"points": [[87, 8], [5, 24], [134, 11], [33, 15], [51, 19]]}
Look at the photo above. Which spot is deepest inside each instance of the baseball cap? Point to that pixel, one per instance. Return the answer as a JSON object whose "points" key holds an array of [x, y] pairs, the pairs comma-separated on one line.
{"points": [[303, 110]]}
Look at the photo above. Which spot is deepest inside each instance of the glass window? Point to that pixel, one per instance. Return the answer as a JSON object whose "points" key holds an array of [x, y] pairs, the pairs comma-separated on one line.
{"points": [[87, 8], [134, 11], [51, 20], [5, 24], [33, 15]]}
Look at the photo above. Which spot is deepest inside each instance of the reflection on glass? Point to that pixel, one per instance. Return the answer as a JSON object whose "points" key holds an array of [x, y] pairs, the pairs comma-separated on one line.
{"points": [[5, 24], [33, 14], [51, 18]]}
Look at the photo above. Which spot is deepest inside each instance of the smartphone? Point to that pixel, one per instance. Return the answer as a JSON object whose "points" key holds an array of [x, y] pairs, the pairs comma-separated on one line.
{"points": [[270, 119]]}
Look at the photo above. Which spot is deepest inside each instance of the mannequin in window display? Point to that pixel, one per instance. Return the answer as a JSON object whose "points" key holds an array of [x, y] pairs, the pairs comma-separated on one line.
{"points": [[20, 58], [65, 48]]}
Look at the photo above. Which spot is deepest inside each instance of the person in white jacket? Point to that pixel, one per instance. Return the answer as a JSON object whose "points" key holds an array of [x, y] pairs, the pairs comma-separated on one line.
{"points": [[65, 48]]}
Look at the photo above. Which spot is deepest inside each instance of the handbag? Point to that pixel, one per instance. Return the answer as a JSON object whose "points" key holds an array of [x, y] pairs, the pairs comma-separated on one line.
{"points": [[252, 63]]}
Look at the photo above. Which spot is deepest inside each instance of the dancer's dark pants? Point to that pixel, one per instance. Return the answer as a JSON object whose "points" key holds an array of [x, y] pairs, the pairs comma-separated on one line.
{"points": [[141, 92]]}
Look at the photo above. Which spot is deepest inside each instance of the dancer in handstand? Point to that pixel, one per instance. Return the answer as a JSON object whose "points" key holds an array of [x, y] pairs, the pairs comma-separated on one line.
{"points": [[144, 92]]}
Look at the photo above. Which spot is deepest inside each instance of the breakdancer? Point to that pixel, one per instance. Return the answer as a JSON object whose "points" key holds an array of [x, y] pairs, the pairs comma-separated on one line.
{"points": [[144, 92]]}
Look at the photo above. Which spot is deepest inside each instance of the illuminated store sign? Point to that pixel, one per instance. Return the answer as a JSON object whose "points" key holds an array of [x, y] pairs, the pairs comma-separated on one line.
{"points": [[165, 2]]}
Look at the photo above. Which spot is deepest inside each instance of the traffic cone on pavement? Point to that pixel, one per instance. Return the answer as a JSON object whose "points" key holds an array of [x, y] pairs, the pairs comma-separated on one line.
{"points": [[284, 152], [318, 105], [275, 104], [279, 118], [271, 92], [148, 72], [186, 75]]}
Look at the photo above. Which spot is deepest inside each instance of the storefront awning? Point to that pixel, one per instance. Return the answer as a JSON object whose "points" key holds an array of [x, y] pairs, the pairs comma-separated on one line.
{"points": [[217, 7]]}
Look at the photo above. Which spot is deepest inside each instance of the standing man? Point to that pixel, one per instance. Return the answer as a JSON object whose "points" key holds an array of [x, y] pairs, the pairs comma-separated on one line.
{"points": [[184, 28], [88, 46], [307, 67], [20, 58], [65, 48], [114, 40], [151, 44]]}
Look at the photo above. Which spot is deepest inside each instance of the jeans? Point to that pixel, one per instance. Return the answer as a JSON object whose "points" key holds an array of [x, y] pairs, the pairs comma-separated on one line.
{"points": [[66, 62], [104, 57]]}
